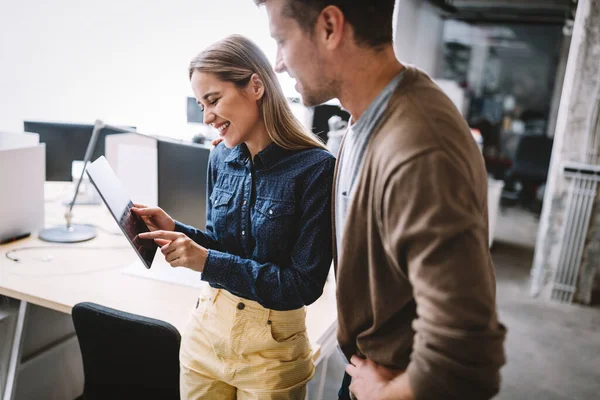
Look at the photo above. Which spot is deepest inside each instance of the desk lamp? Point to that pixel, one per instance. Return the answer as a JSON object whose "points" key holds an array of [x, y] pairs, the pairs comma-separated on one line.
{"points": [[73, 233]]}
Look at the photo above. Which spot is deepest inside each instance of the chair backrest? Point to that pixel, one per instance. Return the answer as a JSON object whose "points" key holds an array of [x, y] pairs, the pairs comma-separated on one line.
{"points": [[533, 156], [126, 355]]}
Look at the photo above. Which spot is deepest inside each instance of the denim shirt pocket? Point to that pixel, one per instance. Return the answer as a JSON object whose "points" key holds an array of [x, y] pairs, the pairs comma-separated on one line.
{"points": [[274, 218], [221, 203]]}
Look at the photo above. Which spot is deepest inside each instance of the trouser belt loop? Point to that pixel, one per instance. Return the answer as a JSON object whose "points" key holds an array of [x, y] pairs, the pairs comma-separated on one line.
{"points": [[215, 293]]}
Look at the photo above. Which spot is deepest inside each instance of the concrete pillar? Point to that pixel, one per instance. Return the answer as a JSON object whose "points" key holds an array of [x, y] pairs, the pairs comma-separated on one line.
{"points": [[582, 80], [558, 86], [418, 35]]}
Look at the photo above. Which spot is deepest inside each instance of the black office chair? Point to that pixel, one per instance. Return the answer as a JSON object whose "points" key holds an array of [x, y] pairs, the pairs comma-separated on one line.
{"points": [[531, 164], [322, 113], [126, 356]]}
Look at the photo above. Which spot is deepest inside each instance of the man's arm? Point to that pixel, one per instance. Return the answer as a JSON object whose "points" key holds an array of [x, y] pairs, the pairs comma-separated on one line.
{"points": [[397, 389], [435, 230]]}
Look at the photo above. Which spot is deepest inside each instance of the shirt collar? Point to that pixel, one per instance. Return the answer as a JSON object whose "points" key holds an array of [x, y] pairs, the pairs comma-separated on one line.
{"points": [[269, 156], [239, 154]]}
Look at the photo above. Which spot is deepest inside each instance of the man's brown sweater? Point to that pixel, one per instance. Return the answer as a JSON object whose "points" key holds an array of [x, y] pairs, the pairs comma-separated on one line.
{"points": [[416, 288]]}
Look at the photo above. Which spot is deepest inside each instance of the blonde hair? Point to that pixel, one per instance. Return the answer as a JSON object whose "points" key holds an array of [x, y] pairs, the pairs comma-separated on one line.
{"points": [[235, 59]]}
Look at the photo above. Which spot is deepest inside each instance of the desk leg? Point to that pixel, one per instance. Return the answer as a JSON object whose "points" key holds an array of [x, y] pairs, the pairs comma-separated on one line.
{"points": [[15, 354]]}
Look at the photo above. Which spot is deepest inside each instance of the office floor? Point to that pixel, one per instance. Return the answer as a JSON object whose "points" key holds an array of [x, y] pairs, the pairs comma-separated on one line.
{"points": [[552, 350]]}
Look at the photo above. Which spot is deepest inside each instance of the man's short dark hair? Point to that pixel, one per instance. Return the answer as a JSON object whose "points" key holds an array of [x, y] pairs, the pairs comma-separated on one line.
{"points": [[371, 19]]}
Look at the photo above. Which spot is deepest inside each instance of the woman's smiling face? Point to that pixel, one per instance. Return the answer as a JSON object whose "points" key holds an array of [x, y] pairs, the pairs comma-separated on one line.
{"points": [[233, 111]]}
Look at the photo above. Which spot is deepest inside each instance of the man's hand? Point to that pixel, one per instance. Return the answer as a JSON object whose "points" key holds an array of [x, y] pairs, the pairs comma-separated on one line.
{"points": [[178, 249], [371, 381], [216, 141]]}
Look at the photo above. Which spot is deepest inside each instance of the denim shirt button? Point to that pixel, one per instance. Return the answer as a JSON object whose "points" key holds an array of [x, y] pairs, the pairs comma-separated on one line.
{"points": [[243, 233]]}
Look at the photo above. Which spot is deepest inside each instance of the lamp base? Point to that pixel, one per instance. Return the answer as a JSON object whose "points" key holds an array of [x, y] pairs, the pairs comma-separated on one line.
{"points": [[62, 234]]}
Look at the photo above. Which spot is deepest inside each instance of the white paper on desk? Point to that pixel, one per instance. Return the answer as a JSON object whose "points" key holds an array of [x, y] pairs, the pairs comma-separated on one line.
{"points": [[138, 172], [162, 271]]}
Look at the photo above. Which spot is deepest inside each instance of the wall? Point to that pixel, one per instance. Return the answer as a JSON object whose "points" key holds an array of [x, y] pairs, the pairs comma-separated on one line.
{"points": [[123, 61], [558, 87], [418, 33]]}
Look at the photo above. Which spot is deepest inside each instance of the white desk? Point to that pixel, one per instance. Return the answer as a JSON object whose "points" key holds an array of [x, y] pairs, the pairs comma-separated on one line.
{"points": [[60, 276]]}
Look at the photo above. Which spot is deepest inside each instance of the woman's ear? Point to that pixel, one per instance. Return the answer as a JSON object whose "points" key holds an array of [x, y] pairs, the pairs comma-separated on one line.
{"points": [[257, 86]]}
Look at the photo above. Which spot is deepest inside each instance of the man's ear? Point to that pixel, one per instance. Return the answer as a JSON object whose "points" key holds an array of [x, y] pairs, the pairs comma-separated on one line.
{"points": [[256, 86], [329, 28]]}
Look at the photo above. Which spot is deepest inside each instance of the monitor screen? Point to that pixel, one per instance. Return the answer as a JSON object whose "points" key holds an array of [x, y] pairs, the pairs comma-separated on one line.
{"points": [[194, 112], [66, 143], [182, 171]]}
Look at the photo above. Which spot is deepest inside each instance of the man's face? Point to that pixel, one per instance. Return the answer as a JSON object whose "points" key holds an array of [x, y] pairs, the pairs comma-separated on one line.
{"points": [[299, 55]]}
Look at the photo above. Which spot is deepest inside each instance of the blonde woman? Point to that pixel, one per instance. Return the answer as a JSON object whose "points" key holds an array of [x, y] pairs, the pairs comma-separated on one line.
{"points": [[267, 246]]}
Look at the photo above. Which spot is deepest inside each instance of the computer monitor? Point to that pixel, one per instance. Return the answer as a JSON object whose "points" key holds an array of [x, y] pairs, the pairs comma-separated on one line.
{"points": [[194, 112], [323, 112], [182, 173], [65, 143]]}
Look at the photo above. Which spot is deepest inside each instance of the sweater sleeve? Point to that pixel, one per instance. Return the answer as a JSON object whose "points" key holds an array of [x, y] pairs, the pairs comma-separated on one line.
{"points": [[436, 226]]}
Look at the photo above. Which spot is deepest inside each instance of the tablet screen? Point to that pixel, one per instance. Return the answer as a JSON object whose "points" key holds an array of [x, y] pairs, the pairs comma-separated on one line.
{"points": [[108, 185]]}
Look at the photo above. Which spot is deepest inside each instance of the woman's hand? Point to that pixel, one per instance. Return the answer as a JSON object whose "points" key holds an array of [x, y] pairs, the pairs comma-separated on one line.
{"points": [[155, 217], [178, 249]]}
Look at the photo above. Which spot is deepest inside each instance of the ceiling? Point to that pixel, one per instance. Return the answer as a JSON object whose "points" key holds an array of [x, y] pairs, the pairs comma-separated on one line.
{"points": [[509, 11]]}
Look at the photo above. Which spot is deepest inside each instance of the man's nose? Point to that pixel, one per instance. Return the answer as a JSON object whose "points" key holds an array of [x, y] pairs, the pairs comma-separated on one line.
{"points": [[279, 64]]}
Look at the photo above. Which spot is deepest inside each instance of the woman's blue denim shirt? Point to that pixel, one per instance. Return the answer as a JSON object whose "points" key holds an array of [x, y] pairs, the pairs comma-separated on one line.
{"points": [[268, 224]]}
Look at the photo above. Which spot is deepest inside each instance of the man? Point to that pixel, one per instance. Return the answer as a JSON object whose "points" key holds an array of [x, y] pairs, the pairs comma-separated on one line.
{"points": [[415, 281]]}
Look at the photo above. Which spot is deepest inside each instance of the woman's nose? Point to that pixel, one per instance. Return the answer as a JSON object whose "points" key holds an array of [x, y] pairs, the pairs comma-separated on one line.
{"points": [[208, 117]]}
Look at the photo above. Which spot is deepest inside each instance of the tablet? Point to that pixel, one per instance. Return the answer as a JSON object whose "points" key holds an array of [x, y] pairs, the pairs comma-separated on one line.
{"points": [[117, 201]]}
